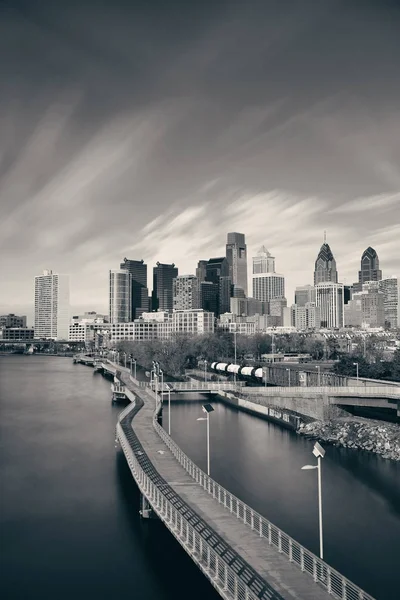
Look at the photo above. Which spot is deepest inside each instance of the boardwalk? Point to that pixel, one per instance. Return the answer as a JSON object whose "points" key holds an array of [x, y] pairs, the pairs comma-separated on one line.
{"points": [[260, 570]]}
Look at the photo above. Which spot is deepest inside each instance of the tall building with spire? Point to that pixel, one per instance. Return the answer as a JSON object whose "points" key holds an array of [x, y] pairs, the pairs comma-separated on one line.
{"points": [[264, 262], [369, 270], [236, 255], [325, 265]]}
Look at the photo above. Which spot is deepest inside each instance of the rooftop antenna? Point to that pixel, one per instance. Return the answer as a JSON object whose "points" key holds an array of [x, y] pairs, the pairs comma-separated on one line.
{"points": [[324, 237]]}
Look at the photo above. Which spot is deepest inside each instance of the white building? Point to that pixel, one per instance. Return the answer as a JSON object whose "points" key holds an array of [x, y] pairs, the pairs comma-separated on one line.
{"points": [[194, 322], [267, 286], [138, 330], [51, 306], [330, 301], [120, 296], [264, 262], [186, 292], [391, 292]]}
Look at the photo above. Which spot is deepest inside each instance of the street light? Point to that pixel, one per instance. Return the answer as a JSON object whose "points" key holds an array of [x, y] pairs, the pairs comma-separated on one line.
{"points": [[207, 408], [356, 366], [319, 452], [125, 359], [134, 361], [288, 370], [234, 337], [319, 375], [169, 388], [205, 371]]}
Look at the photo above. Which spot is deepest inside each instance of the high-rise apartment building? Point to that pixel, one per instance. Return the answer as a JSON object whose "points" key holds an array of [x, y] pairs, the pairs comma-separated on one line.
{"points": [[264, 262], [139, 292], [163, 293], [306, 316], [304, 294], [391, 301], [120, 296], [51, 306], [372, 305], [330, 301], [236, 254], [186, 292], [325, 266]]}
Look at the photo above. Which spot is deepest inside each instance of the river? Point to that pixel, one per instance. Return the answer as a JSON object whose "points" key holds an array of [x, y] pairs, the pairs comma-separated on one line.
{"points": [[69, 522]]}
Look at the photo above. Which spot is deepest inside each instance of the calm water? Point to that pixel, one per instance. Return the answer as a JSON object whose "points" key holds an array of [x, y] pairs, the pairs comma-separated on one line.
{"points": [[69, 522]]}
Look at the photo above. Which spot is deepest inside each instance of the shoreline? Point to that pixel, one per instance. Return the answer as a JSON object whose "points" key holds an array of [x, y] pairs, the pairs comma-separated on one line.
{"points": [[381, 438]]}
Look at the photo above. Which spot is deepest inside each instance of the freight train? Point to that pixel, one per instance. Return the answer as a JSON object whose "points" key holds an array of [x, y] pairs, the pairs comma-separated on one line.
{"points": [[254, 373]]}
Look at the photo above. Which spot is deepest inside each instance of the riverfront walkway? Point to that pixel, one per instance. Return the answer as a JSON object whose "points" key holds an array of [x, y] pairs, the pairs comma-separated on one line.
{"points": [[233, 541]]}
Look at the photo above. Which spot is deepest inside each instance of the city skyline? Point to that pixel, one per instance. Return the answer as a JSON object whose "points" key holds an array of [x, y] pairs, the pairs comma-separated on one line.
{"points": [[104, 156]]}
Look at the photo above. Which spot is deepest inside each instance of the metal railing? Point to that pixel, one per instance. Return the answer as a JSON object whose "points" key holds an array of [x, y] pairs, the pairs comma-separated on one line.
{"points": [[331, 391], [198, 385], [336, 584], [222, 576]]}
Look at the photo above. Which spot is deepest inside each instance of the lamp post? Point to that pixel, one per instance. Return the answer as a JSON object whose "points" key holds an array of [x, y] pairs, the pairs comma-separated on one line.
{"points": [[319, 453], [207, 408], [169, 408], [319, 375], [234, 337], [205, 371], [125, 359], [133, 360], [356, 366], [288, 370]]}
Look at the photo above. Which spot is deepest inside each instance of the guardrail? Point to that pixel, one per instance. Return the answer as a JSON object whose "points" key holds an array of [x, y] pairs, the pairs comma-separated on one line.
{"points": [[191, 385], [221, 575], [331, 391], [336, 584]]}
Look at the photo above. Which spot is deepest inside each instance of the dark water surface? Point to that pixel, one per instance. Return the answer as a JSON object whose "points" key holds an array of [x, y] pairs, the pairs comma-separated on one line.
{"points": [[260, 462], [69, 522]]}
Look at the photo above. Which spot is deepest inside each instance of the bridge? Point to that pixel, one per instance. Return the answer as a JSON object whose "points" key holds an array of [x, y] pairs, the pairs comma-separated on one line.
{"points": [[243, 555]]}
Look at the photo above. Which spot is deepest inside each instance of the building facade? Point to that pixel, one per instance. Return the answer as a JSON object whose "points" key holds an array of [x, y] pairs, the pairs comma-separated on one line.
{"points": [[51, 306], [209, 296], [304, 294], [17, 334], [391, 300], [264, 262], [120, 296], [12, 320], [369, 270], [267, 286], [372, 306], [236, 254], [186, 292], [330, 301], [325, 266], [163, 293], [139, 291], [201, 270], [306, 317]]}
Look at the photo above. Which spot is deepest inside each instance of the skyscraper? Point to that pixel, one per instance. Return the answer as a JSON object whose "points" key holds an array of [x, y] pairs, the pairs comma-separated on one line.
{"points": [[186, 292], [51, 306], [162, 295], [330, 301], [139, 292], [391, 301], [236, 254], [120, 296], [201, 270], [217, 272], [304, 294], [325, 266], [369, 269], [264, 262], [209, 296], [266, 283]]}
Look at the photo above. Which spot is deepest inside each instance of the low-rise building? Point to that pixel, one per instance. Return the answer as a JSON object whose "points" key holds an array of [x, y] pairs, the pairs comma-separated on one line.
{"points": [[17, 334], [12, 320]]}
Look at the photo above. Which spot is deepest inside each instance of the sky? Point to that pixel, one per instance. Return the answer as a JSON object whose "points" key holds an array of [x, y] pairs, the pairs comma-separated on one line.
{"points": [[150, 129]]}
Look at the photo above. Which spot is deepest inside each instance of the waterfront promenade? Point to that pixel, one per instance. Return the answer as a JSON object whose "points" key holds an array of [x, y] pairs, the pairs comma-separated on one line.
{"points": [[242, 554]]}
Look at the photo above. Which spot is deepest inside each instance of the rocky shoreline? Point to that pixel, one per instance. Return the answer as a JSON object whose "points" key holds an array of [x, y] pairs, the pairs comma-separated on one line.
{"points": [[378, 437]]}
